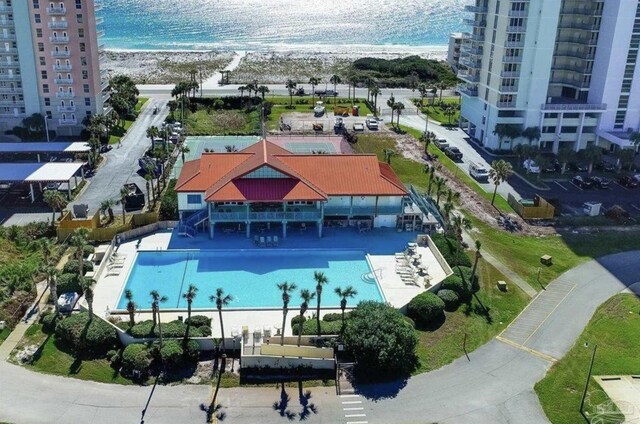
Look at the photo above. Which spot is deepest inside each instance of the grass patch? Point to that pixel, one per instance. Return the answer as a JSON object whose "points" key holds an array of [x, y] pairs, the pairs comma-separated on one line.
{"points": [[4, 334], [223, 122], [305, 104], [436, 113], [54, 358], [141, 102], [119, 132], [611, 328], [443, 345]]}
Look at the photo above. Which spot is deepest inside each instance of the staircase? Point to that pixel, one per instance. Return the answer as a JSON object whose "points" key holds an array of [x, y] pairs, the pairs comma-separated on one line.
{"points": [[186, 230], [197, 218]]}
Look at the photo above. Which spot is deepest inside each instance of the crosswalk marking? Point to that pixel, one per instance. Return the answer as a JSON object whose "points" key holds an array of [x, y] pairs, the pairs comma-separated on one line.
{"points": [[355, 415], [353, 409], [351, 402]]}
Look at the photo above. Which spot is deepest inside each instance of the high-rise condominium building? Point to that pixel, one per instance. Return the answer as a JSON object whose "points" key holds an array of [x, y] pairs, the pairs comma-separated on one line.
{"points": [[50, 63], [567, 67]]}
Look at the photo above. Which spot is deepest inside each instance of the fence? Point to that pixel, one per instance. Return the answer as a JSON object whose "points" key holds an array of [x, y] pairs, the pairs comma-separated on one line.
{"points": [[538, 209], [68, 225]]}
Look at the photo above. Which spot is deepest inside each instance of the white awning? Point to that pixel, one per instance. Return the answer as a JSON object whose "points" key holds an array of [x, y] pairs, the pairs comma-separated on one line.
{"points": [[39, 172], [54, 147]]}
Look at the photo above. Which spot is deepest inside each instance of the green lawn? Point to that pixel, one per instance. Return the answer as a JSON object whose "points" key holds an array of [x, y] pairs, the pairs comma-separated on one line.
{"points": [[443, 345], [522, 253], [614, 328], [223, 122], [119, 132], [141, 102], [55, 359], [4, 334], [436, 113]]}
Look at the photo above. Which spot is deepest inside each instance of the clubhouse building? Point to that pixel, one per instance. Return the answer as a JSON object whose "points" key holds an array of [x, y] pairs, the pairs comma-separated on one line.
{"points": [[267, 187]]}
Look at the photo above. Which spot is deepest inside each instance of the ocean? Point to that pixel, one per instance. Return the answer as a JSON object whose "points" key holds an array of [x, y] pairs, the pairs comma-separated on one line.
{"points": [[281, 25]]}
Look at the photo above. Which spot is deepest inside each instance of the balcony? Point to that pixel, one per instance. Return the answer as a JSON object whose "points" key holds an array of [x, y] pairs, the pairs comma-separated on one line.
{"points": [[510, 74], [63, 68], [468, 77], [470, 63], [67, 121], [97, 6], [63, 81], [65, 95], [10, 77], [6, 9], [62, 53], [468, 91], [512, 59], [514, 44], [99, 21], [575, 54], [579, 25], [8, 50], [105, 96], [473, 37], [104, 84], [570, 68], [100, 33], [480, 23], [473, 51], [101, 47], [578, 84], [265, 216], [10, 90], [507, 105], [11, 103], [66, 108], [582, 41], [516, 29], [518, 13], [59, 40], [56, 11], [7, 65], [7, 37], [574, 107], [508, 89], [475, 9], [7, 23], [58, 25]]}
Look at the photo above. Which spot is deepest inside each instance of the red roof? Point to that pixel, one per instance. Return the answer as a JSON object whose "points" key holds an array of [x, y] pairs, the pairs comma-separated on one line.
{"points": [[303, 177]]}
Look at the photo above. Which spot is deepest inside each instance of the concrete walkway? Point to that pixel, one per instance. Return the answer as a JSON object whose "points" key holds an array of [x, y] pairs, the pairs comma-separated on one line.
{"points": [[495, 386]]}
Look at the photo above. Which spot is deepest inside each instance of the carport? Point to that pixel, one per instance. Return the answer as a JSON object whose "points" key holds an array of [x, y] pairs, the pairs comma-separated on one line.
{"points": [[38, 148], [48, 172]]}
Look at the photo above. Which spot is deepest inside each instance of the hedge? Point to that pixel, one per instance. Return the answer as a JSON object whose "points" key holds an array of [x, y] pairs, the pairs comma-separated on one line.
{"points": [[425, 308], [452, 250], [94, 337], [205, 331], [310, 328], [465, 273], [136, 357], [49, 320], [68, 283], [171, 353], [296, 320], [450, 298], [72, 267], [173, 329], [336, 316], [198, 321], [169, 203]]}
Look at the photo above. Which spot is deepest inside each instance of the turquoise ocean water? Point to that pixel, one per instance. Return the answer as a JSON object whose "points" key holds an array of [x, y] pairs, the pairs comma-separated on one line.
{"points": [[329, 25]]}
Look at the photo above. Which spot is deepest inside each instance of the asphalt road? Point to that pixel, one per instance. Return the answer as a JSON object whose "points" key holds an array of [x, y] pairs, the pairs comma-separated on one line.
{"points": [[495, 386], [121, 165]]}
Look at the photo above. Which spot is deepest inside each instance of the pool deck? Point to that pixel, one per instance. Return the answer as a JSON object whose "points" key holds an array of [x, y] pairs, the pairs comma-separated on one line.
{"points": [[379, 244]]}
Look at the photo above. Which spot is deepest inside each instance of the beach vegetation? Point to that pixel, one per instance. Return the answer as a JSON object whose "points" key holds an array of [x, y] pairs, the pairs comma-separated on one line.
{"points": [[404, 72], [86, 336]]}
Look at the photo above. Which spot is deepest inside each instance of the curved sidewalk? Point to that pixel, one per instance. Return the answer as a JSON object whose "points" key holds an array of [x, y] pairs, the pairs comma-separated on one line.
{"points": [[496, 386]]}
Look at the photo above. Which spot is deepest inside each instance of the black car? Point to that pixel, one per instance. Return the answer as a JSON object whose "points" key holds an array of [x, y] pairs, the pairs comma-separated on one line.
{"points": [[454, 153], [552, 166], [599, 182], [581, 182], [627, 181], [578, 167], [605, 166]]}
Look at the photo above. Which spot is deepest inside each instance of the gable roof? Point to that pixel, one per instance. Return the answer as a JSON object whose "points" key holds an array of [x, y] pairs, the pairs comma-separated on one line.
{"points": [[307, 177]]}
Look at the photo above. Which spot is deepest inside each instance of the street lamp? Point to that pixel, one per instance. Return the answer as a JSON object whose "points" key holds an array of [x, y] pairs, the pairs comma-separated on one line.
{"points": [[234, 334], [46, 125]]}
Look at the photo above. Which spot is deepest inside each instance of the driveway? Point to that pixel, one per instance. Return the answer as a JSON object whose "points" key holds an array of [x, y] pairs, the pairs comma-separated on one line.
{"points": [[494, 386], [121, 165]]}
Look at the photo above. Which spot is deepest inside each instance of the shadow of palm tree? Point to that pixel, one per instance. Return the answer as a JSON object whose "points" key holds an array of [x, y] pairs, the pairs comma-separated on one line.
{"points": [[282, 405], [216, 411], [307, 408]]}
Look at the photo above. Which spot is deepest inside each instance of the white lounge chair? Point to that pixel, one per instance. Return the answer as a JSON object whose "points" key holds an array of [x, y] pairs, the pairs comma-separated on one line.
{"points": [[276, 242], [262, 242], [269, 241]]}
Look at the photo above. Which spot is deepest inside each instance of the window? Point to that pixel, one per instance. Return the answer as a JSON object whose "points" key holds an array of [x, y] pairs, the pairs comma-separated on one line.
{"points": [[87, 101], [85, 88], [78, 4], [37, 18], [45, 88], [79, 18], [40, 47], [81, 32], [47, 101], [48, 113], [43, 74], [43, 61], [85, 75], [83, 61], [194, 199], [83, 47], [36, 4]]}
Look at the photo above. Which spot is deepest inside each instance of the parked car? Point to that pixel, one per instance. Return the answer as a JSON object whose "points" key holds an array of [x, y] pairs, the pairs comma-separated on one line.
{"points": [[578, 167], [441, 143], [358, 126], [553, 166], [67, 301], [478, 172], [605, 166], [581, 182], [372, 122], [599, 182], [627, 181], [454, 153], [52, 186], [531, 166], [105, 148], [155, 110]]}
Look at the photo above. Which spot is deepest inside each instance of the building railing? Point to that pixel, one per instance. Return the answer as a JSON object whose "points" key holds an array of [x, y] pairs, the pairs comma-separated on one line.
{"points": [[468, 77], [66, 108], [58, 25], [64, 81], [10, 77], [475, 9], [6, 22], [6, 9], [62, 67], [65, 95], [472, 92], [476, 22], [506, 105], [11, 103], [59, 39], [10, 90], [56, 10], [514, 44], [67, 121], [508, 88], [510, 74], [265, 216], [7, 36], [64, 53], [512, 59], [518, 13], [5, 65], [516, 28], [570, 106]]}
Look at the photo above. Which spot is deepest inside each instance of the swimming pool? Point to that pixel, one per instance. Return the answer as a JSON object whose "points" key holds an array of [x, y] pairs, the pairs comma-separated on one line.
{"points": [[249, 276]]}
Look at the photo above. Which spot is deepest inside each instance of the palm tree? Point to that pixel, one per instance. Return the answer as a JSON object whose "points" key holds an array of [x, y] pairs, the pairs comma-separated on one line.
{"points": [[321, 280], [242, 89], [47, 247], [375, 92], [335, 80], [475, 262], [391, 102], [189, 295], [399, 108], [291, 85], [430, 170], [565, 156], [87, 288], [183, 149], [306, 296], [423, 89], [449, 112], [124, 193], [149, 175], [345, 294], [506, 131], [439, 182], [52, 281], [286, 289], [591, 155], [426, 138], [131, 307], [56, 201], [388, 154], [531, 134], [156, 299], [263, 90], [457, 224], [79, 239], [152, 133], [313, 81], [106, 207], [500, 171], [625, 158], [221, 300], [441, 86]]}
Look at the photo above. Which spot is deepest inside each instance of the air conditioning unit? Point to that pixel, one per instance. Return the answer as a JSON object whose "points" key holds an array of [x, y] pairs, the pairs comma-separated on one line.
{"points": [[592, 208]]}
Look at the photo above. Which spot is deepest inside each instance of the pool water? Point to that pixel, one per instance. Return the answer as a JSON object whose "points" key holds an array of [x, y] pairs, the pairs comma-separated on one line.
{"points": [[249, 276]]}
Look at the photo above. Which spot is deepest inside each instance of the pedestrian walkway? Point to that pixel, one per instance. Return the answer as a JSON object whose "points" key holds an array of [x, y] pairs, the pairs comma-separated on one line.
{"points": [[353, 409]]}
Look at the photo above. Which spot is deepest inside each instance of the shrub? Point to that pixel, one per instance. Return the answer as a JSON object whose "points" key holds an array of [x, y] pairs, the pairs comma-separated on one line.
{"points": [[425, 308], [457, 284], [192, 351], [205, 331], [409, 321], [87, 250], [142, 329], [451, 250], [49, 322], [136, 357], [450, 298], [174, 329], [82, 335], [169, 203], [171, 353], [332, 317], [171, 329], [69, 283], [296, 320], [380, 339], [310, 328], [73, 267], [465, 273], [113, 356], [198, 321]]}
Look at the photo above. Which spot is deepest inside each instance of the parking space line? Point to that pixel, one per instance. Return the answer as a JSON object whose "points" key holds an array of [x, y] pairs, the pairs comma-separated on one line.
{"points": [[561, 186], [348, 396], [355, 415], [635, 207], [352, 402], [576, 186]]}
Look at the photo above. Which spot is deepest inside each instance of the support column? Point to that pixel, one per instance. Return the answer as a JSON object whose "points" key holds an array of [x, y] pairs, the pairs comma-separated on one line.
{"points": [[69, 189], [556, 141], [284, 229], [248, 228], [33, 196], [212, 226], [75, 179], [579, 134], [320, 229]]}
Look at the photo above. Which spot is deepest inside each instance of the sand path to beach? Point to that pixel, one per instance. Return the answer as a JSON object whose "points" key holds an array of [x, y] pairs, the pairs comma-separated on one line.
{"points": [[212, 82]]}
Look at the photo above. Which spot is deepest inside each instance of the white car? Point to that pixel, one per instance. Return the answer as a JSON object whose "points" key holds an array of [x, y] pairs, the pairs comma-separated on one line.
{"points": [[372, 123], [319, 109], [531, 166], [358, 126]]}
